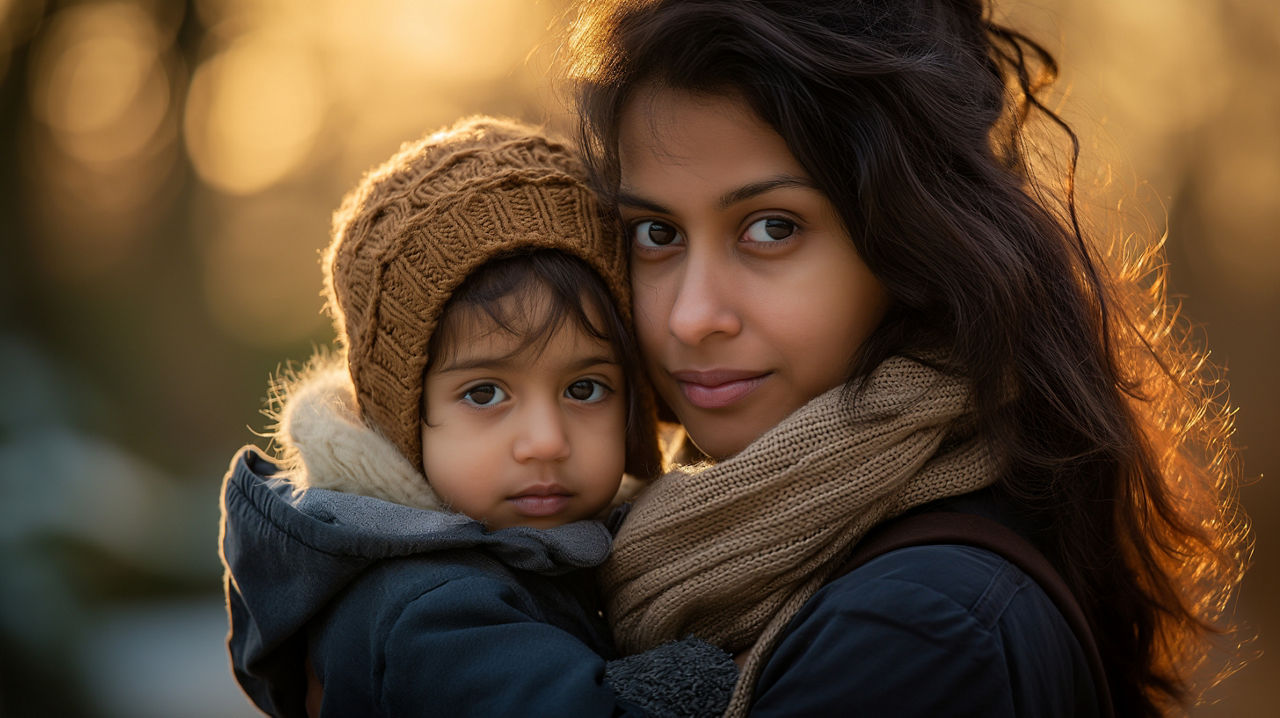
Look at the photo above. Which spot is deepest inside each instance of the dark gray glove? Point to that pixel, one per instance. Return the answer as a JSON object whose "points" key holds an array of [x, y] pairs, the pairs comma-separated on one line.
{"points": [[689, 678]]}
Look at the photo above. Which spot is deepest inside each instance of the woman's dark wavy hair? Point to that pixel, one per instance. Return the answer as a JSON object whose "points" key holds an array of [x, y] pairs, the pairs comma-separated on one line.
{"points": [[913, 117]]}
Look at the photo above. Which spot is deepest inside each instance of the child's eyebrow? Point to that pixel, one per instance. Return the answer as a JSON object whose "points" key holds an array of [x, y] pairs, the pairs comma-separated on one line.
{"points": [[512, 361]]}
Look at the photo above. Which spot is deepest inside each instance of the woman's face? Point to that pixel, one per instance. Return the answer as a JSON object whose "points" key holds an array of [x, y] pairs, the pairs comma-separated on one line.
{"points": [[750, 299]]}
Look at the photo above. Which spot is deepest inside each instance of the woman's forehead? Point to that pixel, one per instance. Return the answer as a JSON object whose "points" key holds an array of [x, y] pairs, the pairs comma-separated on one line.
{"points": [[714, 143]]}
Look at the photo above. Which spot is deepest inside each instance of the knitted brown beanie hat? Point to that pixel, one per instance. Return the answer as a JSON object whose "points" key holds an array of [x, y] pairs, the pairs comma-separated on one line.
{"points": [[418, 225]]}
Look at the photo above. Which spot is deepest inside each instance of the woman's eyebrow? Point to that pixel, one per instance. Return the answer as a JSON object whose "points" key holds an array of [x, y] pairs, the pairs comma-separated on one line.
{"points": [[753, 189], [630, 199]]}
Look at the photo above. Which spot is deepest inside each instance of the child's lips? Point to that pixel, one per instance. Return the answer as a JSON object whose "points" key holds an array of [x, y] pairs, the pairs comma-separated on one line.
{"points": [[541, 501]]}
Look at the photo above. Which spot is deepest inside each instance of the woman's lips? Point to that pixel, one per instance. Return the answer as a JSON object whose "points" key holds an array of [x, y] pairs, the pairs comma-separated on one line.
{"points": [[540, 502], [718, 388]]}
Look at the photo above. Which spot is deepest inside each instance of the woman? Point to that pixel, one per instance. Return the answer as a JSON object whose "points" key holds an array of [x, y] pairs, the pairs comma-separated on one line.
{"points": [[859, 302]]}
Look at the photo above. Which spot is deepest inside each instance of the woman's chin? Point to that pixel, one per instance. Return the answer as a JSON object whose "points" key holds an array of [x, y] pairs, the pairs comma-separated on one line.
{"points": [[721, 442]]}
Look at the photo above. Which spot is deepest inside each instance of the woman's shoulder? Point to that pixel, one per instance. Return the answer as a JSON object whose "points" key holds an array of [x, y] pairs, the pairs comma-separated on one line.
{"points": [[929, 630], [962, 595], [947, 580]]}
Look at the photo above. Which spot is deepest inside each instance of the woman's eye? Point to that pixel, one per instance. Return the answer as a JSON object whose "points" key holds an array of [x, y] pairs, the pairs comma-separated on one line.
{"points": [[587, 390], [650, 233], [484, 395], [772, 229]]}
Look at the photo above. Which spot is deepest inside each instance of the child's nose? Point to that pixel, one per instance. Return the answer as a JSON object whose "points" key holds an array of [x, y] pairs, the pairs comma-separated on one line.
{"points": [[542, 435]]}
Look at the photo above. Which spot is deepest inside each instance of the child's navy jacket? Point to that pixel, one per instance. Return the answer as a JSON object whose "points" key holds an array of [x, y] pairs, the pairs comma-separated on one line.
{"points": [[405, 611]]}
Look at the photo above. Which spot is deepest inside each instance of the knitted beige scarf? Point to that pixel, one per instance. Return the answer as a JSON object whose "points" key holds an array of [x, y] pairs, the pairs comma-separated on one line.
{"points": [[730, 552]]}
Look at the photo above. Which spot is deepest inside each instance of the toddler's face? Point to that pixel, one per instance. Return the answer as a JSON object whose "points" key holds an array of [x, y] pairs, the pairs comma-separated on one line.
{"points": [[531, 436]]}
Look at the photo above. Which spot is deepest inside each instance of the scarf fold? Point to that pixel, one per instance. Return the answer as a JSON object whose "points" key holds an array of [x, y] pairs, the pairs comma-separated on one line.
{"points": [[730, 552]]}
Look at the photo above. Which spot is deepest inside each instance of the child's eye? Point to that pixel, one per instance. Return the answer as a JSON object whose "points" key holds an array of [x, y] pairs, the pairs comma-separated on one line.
{"points": [[770, 229], [587, 390], [484, 395], [651, 233]]}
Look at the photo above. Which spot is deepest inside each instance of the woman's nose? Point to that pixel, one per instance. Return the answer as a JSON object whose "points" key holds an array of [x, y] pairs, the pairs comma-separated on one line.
{"points": [[542, 434], [702, 306]]}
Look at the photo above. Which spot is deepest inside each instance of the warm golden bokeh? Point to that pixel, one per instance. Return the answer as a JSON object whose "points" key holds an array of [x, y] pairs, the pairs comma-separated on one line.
{"points": [[102, 141], [170, 172], [254, 112]]}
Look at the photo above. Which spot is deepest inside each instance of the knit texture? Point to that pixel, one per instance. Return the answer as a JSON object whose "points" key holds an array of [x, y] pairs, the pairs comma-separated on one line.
{"points": [[418, 225], [729, 553]]}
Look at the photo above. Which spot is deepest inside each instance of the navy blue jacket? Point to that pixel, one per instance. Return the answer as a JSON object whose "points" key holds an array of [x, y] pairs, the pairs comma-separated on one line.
{"points": [[404, 611], [941, 630]]}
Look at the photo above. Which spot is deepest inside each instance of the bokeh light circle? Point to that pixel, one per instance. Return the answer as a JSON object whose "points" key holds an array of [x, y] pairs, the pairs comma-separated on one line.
{"points": [[253, 113]]}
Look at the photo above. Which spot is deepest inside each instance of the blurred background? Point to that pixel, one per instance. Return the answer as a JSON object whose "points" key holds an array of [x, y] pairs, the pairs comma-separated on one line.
{"points": [[167, 174]]}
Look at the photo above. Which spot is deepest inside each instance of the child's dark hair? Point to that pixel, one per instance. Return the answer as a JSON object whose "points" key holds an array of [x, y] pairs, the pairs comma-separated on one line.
{"points": [[567, 290], [910, 115]]}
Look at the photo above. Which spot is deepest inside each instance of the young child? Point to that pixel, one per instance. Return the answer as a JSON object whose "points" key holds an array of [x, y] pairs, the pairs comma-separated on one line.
{"points": [[418, 548]]}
